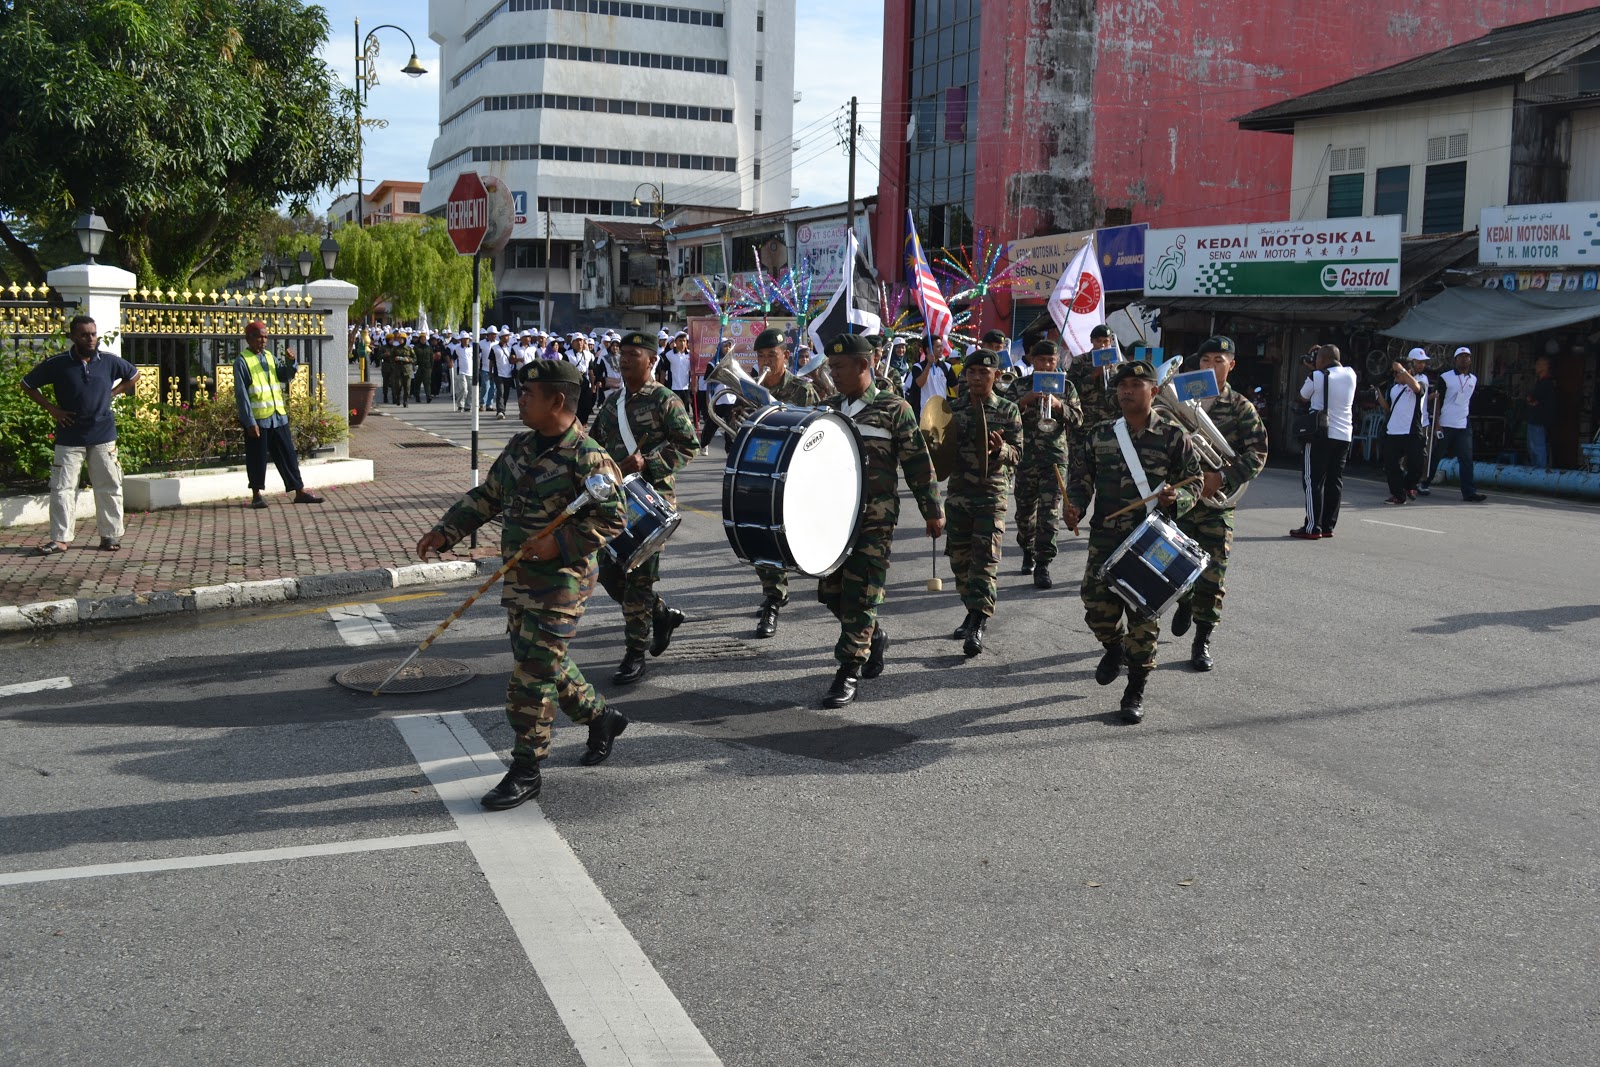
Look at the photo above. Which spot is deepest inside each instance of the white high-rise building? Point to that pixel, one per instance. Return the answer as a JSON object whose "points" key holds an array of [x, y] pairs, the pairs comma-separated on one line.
{"points": [[583, 106]]}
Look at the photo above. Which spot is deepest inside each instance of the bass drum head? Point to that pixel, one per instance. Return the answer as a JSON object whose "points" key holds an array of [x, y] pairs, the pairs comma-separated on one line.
{"points": [[822, 493]]}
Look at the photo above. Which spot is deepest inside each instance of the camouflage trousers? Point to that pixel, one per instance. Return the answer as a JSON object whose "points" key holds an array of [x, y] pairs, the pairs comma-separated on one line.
{"points": [[854, 592], [972, 541], [1038, 506], [1103, 610], [636, 592], [774, 582], [1213, 529], [543, 679]]}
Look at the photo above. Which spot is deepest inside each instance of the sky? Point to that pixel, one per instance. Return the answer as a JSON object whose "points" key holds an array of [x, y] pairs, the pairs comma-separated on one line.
{"points": [[838, 54]]}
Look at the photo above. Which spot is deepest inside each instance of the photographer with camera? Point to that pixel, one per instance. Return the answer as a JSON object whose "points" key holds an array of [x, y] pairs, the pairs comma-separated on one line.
{"points": [[1331, 391], [1405, 436]]}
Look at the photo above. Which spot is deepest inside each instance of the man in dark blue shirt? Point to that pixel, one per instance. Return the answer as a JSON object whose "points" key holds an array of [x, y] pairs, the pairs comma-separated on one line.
{"points": [[84, 381]]}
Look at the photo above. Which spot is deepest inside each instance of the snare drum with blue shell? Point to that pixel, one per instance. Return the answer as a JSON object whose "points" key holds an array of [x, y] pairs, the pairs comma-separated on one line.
{"points": [[1156, 565], [651, 519]]}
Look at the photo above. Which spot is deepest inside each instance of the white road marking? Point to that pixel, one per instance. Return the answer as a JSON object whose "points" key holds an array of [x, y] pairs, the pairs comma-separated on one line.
{"points": [[362, 624], [617, 1009], [35, 687], [228, 859], [1402, 526]]}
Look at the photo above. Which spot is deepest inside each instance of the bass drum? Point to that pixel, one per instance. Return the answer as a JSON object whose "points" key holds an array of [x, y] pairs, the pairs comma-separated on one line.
{"points": [[792, 489]]}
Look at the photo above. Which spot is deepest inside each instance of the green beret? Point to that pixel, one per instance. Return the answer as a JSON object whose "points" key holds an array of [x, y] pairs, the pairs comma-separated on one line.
{"points": [[875, 340], [639, 339], [1044, 348], [994, 337], [549, 371], [850, 344], [1101, 330], [769, 339], [1138, 368], [982, 357], [1215, 344]]}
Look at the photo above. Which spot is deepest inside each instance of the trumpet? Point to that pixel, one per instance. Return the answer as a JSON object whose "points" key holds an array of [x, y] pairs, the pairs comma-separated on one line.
{"points": [[1208, 443], [751, 395]]}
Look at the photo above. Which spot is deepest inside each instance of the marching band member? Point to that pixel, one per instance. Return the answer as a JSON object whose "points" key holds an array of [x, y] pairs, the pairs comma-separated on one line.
{"points": [[1160, 458], [772, 357], [1042, 469], [988, 432], [1239, 423], [891, 442], [645, 428]]}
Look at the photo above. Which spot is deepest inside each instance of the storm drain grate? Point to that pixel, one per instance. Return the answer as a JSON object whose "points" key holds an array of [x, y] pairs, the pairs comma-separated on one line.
{"points": [[428, 444], [706, 649], [422, 676]]}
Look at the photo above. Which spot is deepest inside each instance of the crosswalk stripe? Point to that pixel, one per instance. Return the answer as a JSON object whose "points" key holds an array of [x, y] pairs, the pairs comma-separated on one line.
{"points": [[362, 624], [35, 687]]}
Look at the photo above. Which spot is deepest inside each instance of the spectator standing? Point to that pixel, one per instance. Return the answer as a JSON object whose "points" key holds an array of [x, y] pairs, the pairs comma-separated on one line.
{"points": [[261, 390], [84, 380], [678, 366], [1405, 436], [1455, 432], [1330, 388], [1541, 412]]}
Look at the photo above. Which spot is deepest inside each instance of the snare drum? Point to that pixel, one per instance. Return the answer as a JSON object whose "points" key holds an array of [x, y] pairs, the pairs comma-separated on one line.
{"points": [[792, 489], [1154, 567], [651, 520]]}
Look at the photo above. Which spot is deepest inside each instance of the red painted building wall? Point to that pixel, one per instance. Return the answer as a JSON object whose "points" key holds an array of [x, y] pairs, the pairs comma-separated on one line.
{"points": [[1124, 106]]}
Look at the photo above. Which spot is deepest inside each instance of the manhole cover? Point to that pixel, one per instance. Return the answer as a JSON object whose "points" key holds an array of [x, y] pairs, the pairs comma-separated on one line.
{"points": [[707, 648], [422, 676]]}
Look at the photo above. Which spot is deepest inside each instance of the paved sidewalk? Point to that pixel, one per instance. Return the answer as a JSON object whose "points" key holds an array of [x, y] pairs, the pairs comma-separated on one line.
{"points": [[359, 528]]}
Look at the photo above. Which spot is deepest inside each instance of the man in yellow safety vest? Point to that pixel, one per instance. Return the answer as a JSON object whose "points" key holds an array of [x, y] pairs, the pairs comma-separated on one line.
{"points": [[261, 389]]}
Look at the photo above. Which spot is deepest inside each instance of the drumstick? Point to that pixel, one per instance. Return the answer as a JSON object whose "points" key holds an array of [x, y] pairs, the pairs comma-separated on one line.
{"points": [[1145, 500], [571, 510], [1062, 485], [935, 584]]}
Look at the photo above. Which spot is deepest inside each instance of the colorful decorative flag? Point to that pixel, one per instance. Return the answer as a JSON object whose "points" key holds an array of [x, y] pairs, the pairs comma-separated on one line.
{"points": [[1078, 302], [924, 288]]}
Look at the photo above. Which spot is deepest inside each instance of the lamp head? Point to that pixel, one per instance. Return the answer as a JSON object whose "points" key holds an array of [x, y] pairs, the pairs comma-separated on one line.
{"points": [[413, 69]]}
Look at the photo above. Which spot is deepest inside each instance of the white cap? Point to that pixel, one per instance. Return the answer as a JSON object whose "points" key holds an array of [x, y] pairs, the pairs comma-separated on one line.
{"points": [[1417, 355], [1463, 351]]}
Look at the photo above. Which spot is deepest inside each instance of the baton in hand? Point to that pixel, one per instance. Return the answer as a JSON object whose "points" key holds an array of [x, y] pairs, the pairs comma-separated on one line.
{"points": [[596, 487]]}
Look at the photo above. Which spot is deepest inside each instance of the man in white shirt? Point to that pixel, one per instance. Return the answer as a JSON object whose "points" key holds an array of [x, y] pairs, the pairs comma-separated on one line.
{"points": [[461, 354], [1331, 388], [1405, 435], [503, 367], [1454, 431], [928, 377], [678, 360]]}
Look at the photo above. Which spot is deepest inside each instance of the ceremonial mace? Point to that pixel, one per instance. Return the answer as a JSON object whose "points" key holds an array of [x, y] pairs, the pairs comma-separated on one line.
{"points": [[595, 488]]}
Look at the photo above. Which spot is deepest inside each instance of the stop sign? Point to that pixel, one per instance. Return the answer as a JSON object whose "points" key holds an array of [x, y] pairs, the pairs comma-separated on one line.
{"points": [[466, 213]]}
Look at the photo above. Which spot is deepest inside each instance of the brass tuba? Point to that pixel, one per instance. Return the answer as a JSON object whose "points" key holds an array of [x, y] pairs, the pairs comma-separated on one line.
{"points": [[752, 395], [1210, 446], [818, 365]]}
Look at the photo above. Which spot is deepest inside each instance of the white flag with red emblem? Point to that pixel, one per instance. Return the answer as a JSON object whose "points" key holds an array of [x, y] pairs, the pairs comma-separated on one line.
{"points": [[1078, 302]]}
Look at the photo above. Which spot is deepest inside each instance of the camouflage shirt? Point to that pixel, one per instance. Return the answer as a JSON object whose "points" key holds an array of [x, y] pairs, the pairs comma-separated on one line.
{"points": [[1241, 425], [979, 475], [1097, 399], [1052, 446], [1098, 470], [661, 429], [528, 491], [890, 442], [796, 391]]}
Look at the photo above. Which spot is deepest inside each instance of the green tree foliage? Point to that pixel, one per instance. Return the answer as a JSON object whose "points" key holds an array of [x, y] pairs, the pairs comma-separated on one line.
{"points": [[183, 122], [410, 265]]}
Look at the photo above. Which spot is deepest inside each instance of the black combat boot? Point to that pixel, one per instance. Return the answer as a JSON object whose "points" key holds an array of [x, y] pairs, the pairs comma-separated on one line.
{"points": [[880, 646], [604, 729], [665, 621], [521, 783], [1200, 651], [631, 669], [965, 628], [1027, 561], [1181, 619], [1110, 664], [843, 690], [975, 634], [1133, 695], [767, 621], [1041, 577]]}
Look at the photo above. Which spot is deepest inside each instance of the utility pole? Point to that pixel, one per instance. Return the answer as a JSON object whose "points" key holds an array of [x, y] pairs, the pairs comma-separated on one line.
{"points": [[850, 195]]}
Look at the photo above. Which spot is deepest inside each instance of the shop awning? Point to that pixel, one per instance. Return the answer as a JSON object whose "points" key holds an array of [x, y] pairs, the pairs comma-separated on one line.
{"points": [[1466, 315]]}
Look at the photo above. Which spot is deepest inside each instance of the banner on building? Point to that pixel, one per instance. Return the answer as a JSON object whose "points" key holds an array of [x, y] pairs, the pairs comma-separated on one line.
{"points": [[704, 331], [1122, 256], [1042, 260], [1315, 257], [1548, 235]]}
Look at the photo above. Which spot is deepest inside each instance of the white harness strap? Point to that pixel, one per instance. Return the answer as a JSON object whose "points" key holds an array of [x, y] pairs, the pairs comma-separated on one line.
{"points": [[622, 422], [1135, 468]]}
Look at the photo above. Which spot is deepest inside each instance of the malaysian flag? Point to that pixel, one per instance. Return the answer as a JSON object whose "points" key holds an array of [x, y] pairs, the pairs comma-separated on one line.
{"points": [[935, 312]]}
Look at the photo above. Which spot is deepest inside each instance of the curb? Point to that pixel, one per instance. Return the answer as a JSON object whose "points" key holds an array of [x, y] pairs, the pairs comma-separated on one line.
{"points": [[52, 614]]}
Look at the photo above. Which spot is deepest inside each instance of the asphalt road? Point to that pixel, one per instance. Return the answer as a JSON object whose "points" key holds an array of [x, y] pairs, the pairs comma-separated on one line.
{"points": [[1368, 838]]}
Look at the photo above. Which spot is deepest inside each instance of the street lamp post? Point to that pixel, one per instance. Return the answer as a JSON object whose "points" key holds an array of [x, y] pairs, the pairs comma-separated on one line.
{"points": [[658, 196], [366, 78]]}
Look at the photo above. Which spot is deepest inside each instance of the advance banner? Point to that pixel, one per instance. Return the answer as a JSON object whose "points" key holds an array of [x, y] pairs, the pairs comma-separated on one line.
{"points": [[1315, 257]]}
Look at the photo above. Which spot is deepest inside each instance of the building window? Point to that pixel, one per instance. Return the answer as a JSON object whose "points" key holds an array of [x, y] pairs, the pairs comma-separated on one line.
{"points": [[758, 72], [761, 22], [1346, 193], [411, 207], [943, 129], [1444, 198], [758, 122], [579, 53], [529, 255], [620, 157], [758, 170], [1391, 193]]}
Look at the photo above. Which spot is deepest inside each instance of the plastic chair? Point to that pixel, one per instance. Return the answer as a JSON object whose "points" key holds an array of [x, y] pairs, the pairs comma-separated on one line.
{"points": [[1371, 429]]}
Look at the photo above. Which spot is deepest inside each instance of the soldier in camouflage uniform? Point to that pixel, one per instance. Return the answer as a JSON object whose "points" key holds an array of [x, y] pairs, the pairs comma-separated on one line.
{"points": [[657, 441], [529, 485], [1042, 469], [421, 367], [396, 370], [890, 442], [772, 357], [1096, 397], [1099, 471], [1238, 421], [987, 429]]}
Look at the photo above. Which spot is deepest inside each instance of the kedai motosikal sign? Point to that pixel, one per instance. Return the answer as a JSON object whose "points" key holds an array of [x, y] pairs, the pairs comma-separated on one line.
{"points": [[1546, 235], [1316, 257]]}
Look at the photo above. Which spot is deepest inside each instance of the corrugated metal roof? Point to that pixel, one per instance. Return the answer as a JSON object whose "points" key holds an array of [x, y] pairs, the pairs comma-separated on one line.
{"points": [[1509, 54]]}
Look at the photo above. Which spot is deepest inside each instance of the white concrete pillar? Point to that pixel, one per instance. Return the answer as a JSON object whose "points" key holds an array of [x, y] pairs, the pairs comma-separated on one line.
{"points": [[98, 290], [336, 296]]}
